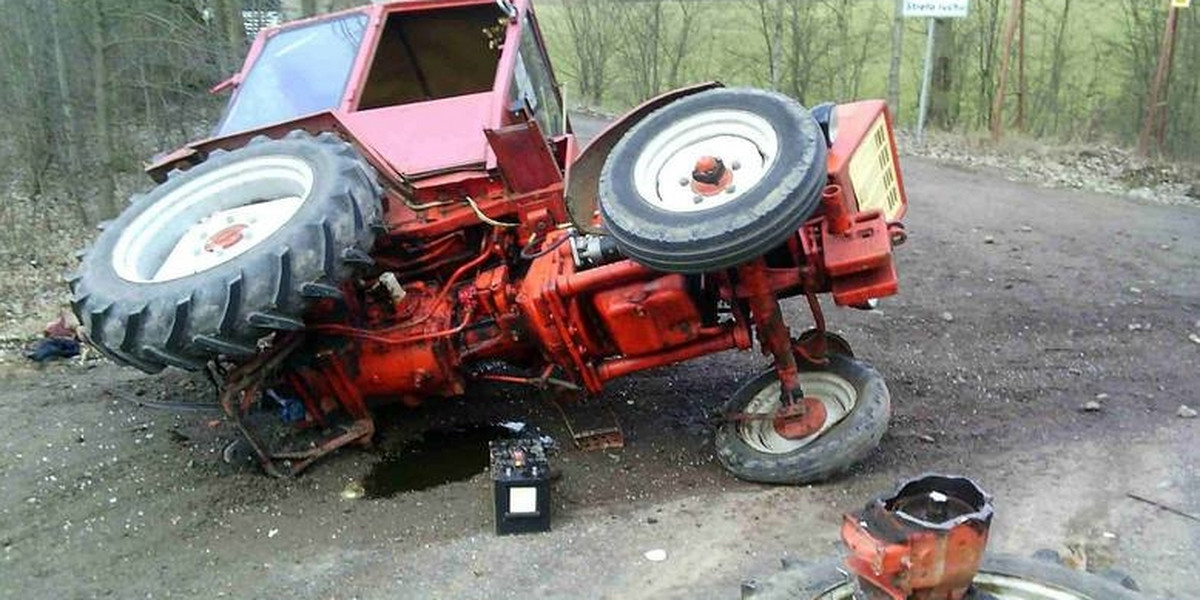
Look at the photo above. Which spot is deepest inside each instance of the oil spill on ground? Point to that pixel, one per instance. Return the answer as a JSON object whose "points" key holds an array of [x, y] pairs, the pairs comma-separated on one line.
{"points": [[437, 457]]}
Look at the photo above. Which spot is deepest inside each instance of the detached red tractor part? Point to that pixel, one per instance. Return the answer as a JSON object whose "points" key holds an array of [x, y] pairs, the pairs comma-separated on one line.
{"points": [[407, 235], [927, 541]]}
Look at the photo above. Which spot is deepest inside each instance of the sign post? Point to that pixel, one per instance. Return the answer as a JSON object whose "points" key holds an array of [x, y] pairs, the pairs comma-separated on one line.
{"points": [[932, 10]]}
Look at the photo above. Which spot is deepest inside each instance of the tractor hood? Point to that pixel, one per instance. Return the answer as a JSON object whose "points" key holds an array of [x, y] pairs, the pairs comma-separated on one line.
{"points": [[427, 137]]}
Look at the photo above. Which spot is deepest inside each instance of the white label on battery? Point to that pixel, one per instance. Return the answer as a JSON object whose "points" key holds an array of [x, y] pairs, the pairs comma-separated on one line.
{"points": [[522, 501]]}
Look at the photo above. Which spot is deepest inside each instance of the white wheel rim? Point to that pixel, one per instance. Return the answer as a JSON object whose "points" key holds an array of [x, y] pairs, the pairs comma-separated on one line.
{"points": [[745, 142], [838, 396], [212, 219], [1003, 587]]}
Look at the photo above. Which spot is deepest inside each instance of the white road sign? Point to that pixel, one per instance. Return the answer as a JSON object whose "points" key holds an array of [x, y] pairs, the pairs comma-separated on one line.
{"points": [[936, 9]]}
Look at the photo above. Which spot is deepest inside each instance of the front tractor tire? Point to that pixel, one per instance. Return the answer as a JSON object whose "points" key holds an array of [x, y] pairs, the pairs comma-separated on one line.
{"points": [[227, 252], [857, 406], [713, 180]]}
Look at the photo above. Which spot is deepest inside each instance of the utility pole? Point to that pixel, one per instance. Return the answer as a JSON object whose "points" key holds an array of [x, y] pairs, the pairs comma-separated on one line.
{"points": [[1156, 104], [1010, 30]]}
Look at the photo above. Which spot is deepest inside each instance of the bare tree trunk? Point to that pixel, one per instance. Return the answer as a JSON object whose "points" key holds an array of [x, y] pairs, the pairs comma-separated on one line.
{"points": [[1010, 31], [1021, 90], [70, 135], [235, 32], [690, 11], [1156, 109], [770, 27], [1054, 88], [893, 83], [941, 96], [100, 94]]}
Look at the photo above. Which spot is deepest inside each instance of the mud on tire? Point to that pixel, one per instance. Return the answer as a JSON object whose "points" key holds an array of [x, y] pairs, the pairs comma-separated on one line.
{"points": [[184, 320]]}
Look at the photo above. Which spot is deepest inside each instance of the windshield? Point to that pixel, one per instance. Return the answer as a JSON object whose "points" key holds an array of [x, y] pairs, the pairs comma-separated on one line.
{"points": [[300, 71]]}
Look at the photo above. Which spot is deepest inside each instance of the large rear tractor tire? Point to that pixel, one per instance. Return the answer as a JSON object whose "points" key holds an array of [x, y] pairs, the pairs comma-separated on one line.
{"points": [[227, 252], [857, 406], [713, 180]]}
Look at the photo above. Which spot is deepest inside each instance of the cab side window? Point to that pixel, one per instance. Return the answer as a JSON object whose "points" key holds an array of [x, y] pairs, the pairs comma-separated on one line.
{"points": [[533, 83]]}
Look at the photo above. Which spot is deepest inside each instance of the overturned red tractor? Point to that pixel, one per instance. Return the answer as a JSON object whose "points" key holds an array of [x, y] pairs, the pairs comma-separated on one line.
{"points": [[393, 206]]}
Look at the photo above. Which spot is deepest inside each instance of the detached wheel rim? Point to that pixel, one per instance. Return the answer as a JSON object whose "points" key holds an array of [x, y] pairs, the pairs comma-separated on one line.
{"points": [[212, 219], [836, 394], [744, 142], [1002, 587]]}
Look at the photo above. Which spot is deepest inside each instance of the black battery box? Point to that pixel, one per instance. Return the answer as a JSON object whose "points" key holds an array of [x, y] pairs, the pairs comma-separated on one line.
{"points": [[521, 482]]}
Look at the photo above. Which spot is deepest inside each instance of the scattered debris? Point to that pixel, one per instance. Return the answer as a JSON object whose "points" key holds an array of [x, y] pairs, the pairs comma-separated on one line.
{"points": [[656, 555], [1135, 290], [513, 426], [1026, 228], [987, 239], [928, 439], [272, 533], [50, 348], [1195, 338], [60, 340], [947, 317], [1102, 396], [1091, 406], [353, 491], [1185, 412], [1166, 507]]}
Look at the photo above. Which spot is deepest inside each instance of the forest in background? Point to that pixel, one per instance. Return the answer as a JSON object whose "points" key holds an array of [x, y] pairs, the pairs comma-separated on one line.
{"points": [[93, 88]]}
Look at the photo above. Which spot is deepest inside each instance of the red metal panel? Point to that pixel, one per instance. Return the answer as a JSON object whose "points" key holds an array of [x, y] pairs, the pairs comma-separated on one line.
{"points": [[524, 158], [429, 136], [644, 318], [864, 246]]}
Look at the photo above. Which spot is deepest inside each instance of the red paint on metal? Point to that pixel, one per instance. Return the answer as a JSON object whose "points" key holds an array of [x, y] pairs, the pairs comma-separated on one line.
{"points": [[773, 335], [524, 157], [800, 420], [834, 203], [427, 137], [855, 120], [225, 238], [710, 177], [925, 542], [644, 318]]}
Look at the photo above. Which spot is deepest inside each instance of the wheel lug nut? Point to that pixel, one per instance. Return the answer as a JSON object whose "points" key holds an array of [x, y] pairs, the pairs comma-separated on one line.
{"points": [[698, 199], [731, 189], [683, 181], [735, 165]]}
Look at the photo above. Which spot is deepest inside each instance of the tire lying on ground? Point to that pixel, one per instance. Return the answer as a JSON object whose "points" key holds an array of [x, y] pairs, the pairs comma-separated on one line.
{"points": [[1000, 576], [227, 252], [857, 406], [774, 152]]}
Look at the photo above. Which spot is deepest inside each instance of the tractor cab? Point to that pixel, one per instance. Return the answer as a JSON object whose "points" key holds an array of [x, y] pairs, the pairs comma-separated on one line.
{"points": [[418, 83]]}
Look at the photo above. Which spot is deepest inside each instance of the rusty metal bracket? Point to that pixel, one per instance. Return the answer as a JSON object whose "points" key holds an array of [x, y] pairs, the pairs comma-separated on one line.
{"points": [[243, 385], [596, 436]]}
